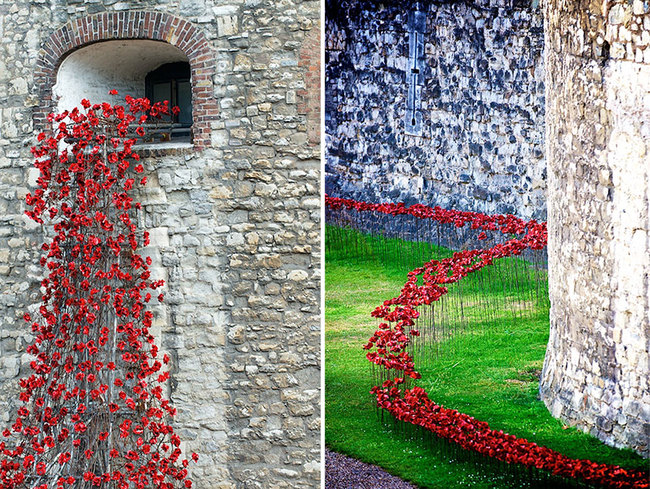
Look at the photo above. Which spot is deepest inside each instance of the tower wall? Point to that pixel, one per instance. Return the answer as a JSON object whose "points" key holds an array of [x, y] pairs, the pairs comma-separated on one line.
{"points": [[597, 62]]}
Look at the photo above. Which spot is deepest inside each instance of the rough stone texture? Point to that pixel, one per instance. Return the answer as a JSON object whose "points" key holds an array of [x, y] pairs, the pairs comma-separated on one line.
{"points": [[234, 221], [598, 151], [309, 98], [482, 106]]}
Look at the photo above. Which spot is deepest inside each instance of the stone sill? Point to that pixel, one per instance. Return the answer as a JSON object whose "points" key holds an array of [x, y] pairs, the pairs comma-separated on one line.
{"points": [[169, 148]]}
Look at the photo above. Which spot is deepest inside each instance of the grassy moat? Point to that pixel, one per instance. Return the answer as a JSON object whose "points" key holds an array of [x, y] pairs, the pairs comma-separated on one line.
{"points": [[491, 373]]}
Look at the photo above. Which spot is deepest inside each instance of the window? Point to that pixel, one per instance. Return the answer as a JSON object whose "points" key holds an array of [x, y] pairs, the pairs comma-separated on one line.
{"points": [[140, 68], [171, 81]]}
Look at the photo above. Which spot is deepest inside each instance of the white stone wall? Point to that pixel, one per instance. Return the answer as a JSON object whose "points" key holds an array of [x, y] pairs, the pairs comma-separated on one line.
{"points": [[598, 150], [627, 88]]}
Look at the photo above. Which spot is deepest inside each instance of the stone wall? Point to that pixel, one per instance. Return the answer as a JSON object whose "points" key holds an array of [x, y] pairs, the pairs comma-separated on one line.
{"points": [[481, 103], [598, 151], [235, 223]]}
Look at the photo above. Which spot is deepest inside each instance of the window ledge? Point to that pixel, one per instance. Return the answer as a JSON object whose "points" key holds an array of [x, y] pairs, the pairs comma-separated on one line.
{"points": [[168, 148]]}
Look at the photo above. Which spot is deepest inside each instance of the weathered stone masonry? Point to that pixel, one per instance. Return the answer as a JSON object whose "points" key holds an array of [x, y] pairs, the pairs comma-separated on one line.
{"points": [[598, 151], [481, 143], [234, 220]]}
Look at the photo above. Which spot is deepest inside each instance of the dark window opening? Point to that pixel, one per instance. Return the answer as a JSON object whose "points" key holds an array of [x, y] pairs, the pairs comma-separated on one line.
{"points": [[172, 82]]}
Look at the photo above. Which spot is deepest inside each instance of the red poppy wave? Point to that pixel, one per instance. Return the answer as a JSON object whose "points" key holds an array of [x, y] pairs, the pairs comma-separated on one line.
{"points": [[93, 412], [388, 347]]}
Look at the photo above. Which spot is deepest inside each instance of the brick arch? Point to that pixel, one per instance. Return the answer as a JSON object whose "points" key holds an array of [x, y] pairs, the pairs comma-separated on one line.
{"points": [[108, 26]]}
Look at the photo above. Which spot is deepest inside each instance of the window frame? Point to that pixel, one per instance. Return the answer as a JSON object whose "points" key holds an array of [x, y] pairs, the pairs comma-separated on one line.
{"points": [[173, 73]]}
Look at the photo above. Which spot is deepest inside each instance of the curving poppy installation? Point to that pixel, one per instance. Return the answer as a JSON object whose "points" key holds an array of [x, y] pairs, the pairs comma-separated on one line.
{"points": [[94, 412], [393, 348]]}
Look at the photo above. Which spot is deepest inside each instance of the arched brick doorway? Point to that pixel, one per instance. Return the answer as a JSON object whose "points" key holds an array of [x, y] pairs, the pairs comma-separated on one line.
{"points": [[155, 26]]}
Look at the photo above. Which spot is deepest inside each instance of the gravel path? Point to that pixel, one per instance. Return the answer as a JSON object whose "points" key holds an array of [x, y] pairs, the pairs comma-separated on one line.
{"points": [[343, 472]]}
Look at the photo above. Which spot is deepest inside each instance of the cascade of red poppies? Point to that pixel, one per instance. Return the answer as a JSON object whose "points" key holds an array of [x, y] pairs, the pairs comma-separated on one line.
{"points": [[93, 411], [390, 347]]}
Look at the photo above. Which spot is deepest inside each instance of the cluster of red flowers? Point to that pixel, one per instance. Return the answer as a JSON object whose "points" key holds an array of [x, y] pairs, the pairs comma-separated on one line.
{"points": [[505, 224], [398, 316], [93, 409]]}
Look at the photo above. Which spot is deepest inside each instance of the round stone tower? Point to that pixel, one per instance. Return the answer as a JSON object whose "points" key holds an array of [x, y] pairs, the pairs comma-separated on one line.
{"points": [[596, 374]]}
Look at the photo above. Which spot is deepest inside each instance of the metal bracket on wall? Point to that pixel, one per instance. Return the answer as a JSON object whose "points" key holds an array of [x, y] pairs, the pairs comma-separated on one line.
{"points": [[415, 73]]}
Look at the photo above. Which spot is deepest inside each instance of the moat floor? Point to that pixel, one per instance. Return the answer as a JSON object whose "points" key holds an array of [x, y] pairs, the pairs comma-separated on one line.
{"points": [[343, 472]]}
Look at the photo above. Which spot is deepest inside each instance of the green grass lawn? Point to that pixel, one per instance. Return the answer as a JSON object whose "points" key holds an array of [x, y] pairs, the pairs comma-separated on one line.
{"points": [[491, 374]]}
